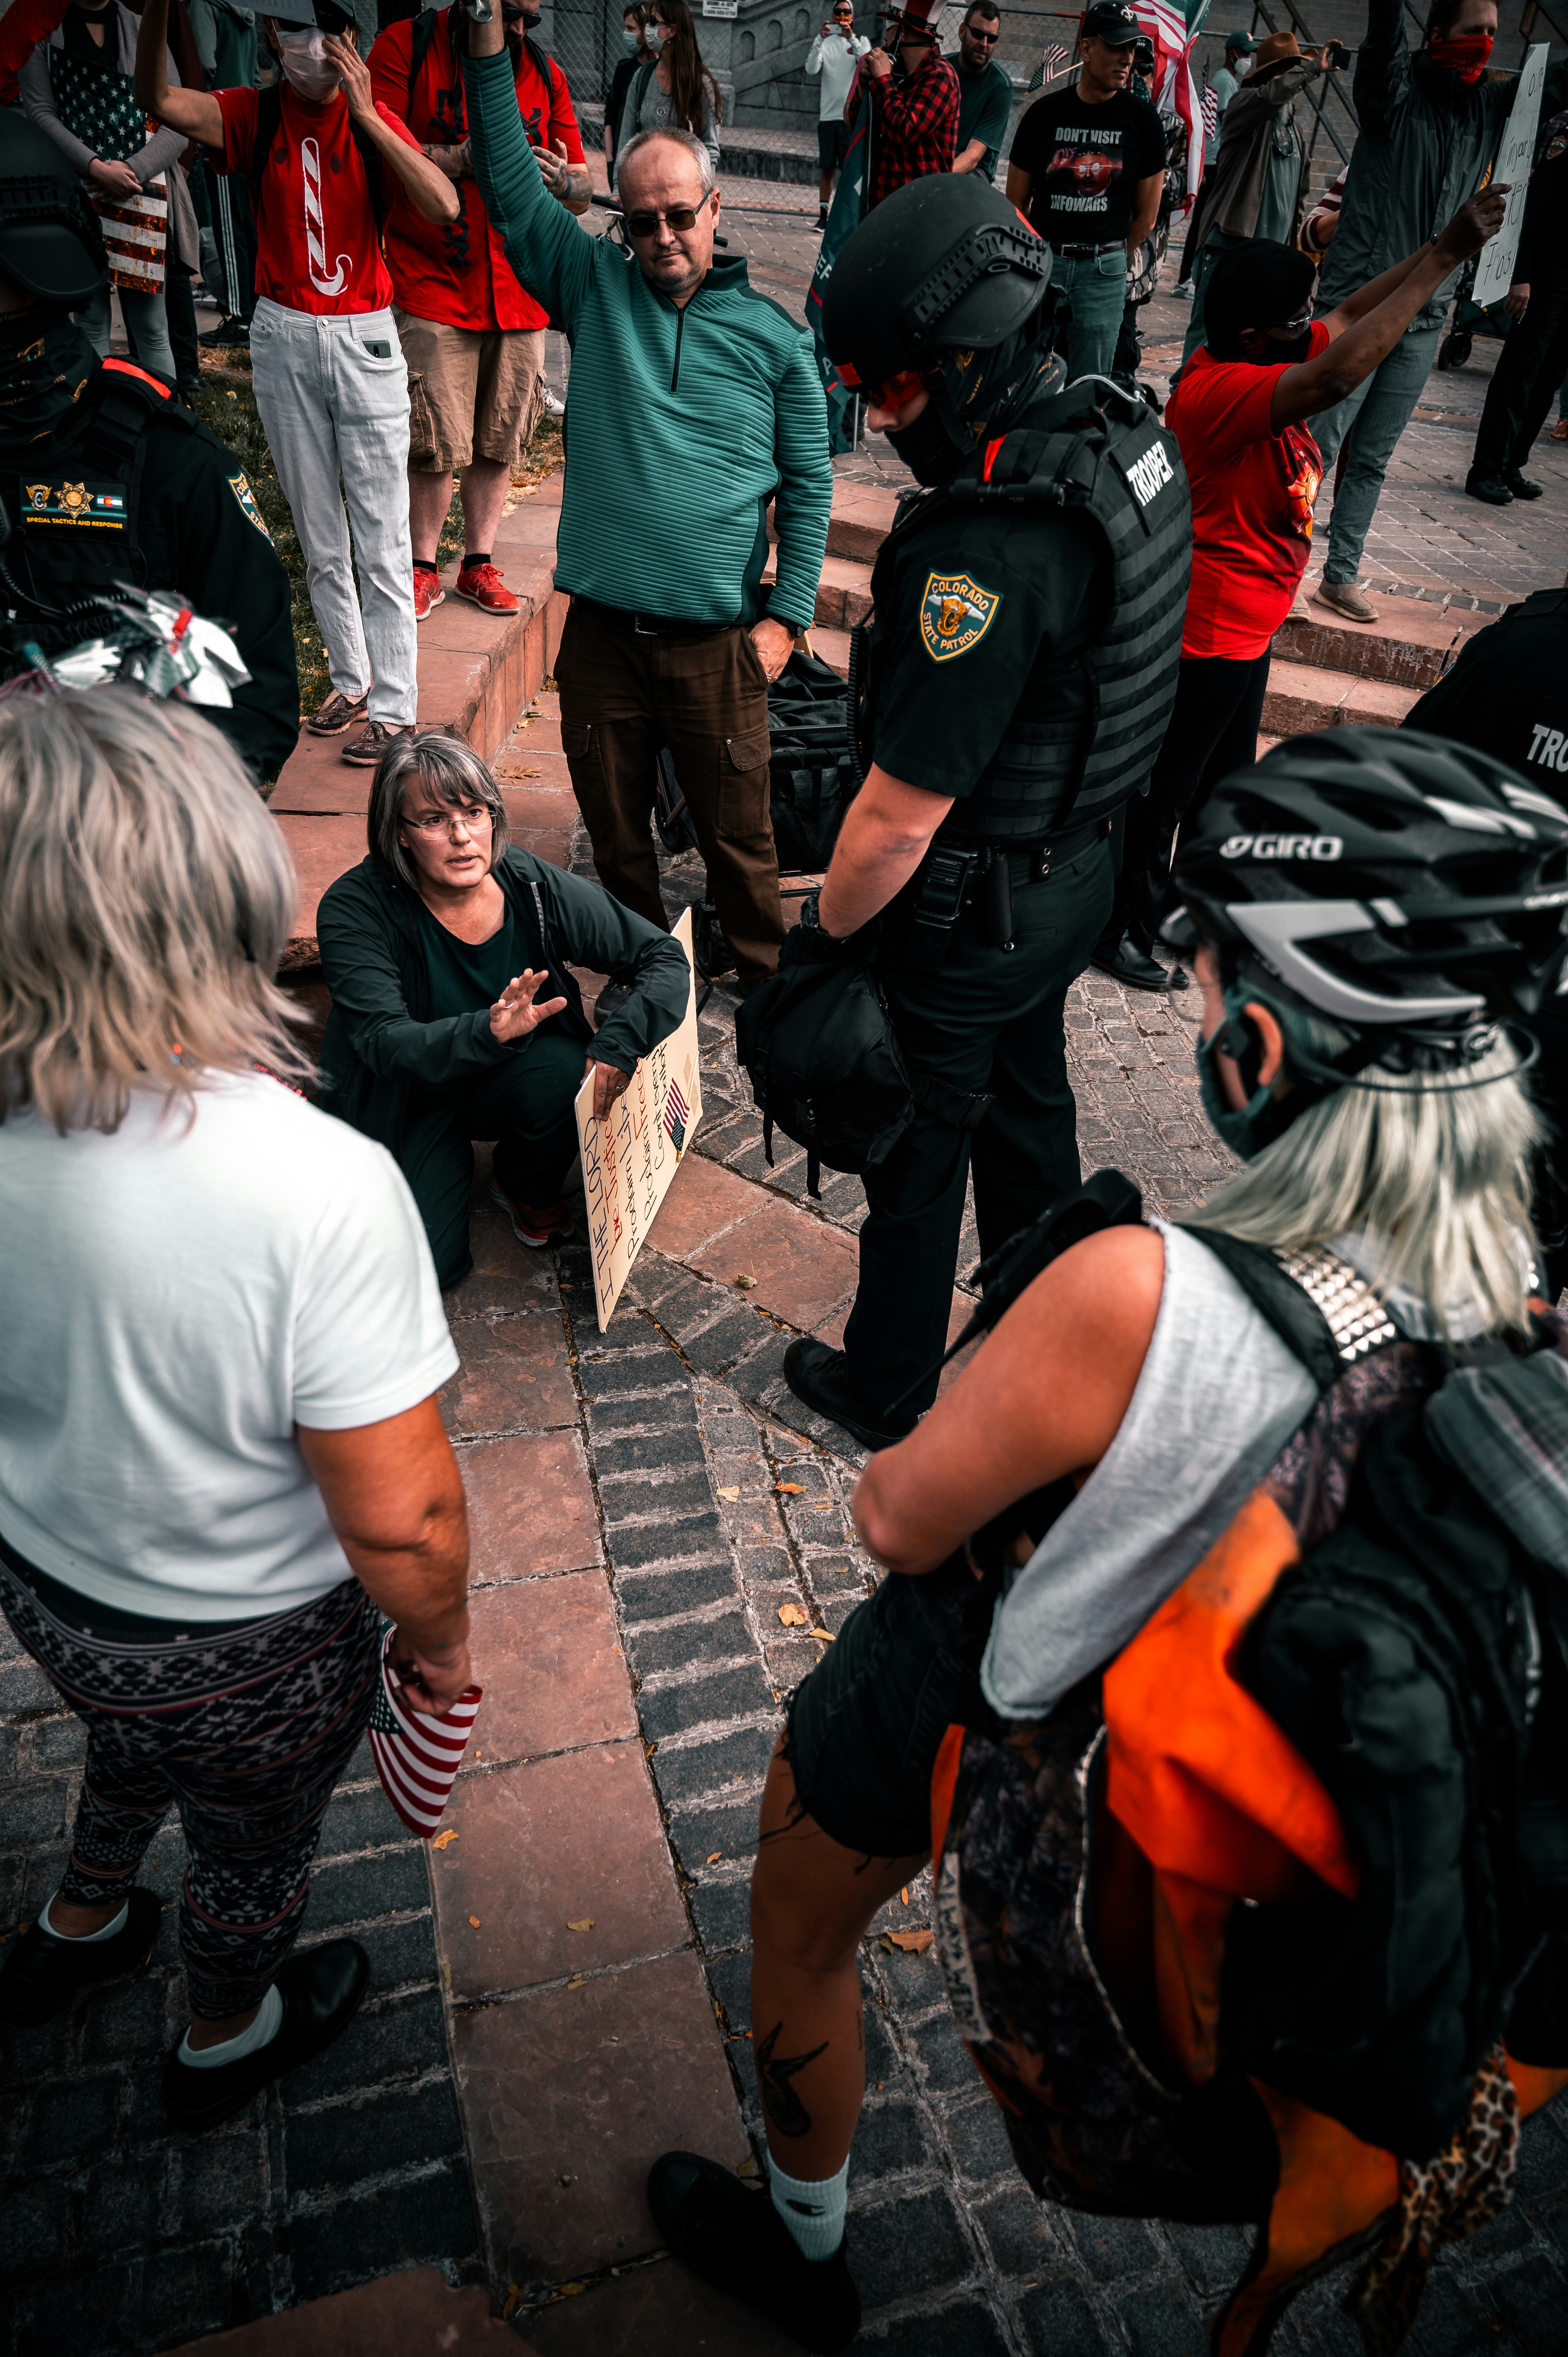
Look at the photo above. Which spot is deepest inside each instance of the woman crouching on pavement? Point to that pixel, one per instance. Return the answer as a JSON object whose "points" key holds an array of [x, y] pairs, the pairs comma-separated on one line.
{"points": [[1365, 1066], [454, 1014], [220, 1455]]}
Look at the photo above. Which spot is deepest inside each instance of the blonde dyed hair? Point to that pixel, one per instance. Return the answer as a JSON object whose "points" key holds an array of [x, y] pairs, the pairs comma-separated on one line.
{"points": [[145, 897], [1436, 1175]]}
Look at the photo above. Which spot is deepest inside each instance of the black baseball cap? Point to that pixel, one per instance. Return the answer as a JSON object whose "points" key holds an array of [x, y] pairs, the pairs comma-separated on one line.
{"points": [[49, 240], [1113, 21]]}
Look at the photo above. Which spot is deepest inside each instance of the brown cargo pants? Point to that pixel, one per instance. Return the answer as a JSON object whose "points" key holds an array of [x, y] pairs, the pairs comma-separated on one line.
{"points": [[624, 692]]}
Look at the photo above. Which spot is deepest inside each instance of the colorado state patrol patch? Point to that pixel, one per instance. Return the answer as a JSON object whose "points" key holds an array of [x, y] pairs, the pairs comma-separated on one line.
{"points": [[240, 485], [955, 614]]}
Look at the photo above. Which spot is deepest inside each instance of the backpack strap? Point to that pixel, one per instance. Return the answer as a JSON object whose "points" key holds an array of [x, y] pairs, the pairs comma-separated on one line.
{"points": [[424, 33], [1323, 1311]]}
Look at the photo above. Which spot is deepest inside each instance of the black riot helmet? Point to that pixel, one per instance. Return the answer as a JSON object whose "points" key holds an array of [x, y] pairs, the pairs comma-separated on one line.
{"points": [[49, 240], [944, 262], [1411, 890]]}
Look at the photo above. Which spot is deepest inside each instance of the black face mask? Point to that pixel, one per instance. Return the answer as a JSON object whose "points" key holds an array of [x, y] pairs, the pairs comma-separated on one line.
{"points": [[1292, 349], [927, 447], [45, 361]]}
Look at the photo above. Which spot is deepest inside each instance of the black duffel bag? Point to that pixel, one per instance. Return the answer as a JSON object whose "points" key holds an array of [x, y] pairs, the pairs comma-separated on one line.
{"points": [[819, 1050], [811, 773]]}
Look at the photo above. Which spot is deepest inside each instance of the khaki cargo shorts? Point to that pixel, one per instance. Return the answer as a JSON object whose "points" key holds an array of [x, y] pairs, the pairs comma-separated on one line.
{"points": [[472, 393]]}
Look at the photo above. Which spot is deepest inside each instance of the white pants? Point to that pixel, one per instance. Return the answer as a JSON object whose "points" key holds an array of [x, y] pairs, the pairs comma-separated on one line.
{"points": [[335, 412]]}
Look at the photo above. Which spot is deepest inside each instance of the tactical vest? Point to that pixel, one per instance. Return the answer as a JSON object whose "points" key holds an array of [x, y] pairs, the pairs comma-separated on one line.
{"points": [[1084, 735], [74, 505]]}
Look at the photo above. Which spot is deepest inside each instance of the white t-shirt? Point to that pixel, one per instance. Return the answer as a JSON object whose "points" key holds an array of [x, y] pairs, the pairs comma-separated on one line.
{"points": [[174, 1300]]}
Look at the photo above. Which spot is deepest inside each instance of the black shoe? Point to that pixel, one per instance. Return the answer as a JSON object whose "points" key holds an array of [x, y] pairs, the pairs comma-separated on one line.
{"points": [[43, 1974], [1130, 965], [321, 1992], [226, 334], [1520, 485], [188, 387], [820, 1377], [821, 221], [1490, 487], [734, 2238]]}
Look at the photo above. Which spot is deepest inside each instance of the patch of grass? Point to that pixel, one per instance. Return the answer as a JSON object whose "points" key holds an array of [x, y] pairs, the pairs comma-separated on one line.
{"points": [[227, 405]]}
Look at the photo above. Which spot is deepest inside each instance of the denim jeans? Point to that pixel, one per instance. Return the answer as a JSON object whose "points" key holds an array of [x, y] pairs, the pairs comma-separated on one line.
{"points": [[1215, 245], [1367, 426], [146, 328], [1096, 285]]}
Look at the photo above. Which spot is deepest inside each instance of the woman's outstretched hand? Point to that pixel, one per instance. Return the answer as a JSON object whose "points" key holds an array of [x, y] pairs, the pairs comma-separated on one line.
{"points": [[515, 1014]]}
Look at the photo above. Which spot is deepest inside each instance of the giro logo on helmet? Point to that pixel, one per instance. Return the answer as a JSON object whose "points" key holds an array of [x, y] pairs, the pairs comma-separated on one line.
{"points": [[1282, 847], [1149, 474]]}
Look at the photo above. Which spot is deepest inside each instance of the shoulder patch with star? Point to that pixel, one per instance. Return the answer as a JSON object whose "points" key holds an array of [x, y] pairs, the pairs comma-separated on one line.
{"points": [[241, 487], [955, 614]]}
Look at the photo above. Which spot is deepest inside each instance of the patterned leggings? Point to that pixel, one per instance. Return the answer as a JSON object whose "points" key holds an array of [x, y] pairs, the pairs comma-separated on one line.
{"points": [[245, 1727]]}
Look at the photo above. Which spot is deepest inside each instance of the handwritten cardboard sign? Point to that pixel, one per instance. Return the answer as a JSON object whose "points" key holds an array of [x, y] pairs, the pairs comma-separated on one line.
{"points": [[1494, 271], [629, 1158]]}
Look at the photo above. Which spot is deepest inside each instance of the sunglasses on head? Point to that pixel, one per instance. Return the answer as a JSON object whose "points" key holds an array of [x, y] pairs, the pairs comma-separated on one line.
{"points": [[678, 217]]}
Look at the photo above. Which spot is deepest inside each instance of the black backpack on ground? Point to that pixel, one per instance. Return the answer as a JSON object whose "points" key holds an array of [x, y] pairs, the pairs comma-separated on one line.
{"points": [[813, 775]]}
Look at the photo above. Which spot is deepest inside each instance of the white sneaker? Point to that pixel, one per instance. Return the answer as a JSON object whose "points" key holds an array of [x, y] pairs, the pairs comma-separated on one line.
{"points": [[554, 405]]}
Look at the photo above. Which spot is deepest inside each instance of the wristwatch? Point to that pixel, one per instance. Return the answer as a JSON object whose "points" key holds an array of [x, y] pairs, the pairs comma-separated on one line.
{"points": [[811, 922]]}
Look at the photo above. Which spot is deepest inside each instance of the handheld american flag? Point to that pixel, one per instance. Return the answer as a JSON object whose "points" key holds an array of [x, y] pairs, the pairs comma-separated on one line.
{"points": [[417, 1756], [1211, 110]]}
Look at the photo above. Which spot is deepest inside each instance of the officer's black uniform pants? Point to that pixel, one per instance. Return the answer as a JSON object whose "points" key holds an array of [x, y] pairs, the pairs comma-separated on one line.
{"points": [[986, 1019], [1524, 384], [1213, 729]]}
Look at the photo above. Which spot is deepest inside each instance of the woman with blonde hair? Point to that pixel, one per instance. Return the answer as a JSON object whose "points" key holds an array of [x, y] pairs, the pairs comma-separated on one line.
{"points": [[1376, 918], [220, 1456], [677, 93]]}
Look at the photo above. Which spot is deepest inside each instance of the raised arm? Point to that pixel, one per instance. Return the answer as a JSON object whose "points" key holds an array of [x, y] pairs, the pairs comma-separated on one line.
{"points": [[195, 112], [551, 256], [1368, 324], [1382, 65], [428, 189]]}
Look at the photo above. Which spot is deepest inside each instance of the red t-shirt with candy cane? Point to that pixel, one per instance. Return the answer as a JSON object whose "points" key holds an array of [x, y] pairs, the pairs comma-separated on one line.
{"points": [[318, 229]]}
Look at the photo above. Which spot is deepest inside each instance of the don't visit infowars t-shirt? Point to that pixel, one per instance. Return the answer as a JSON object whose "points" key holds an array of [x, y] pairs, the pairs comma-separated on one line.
{"points": [[1086, 163]]}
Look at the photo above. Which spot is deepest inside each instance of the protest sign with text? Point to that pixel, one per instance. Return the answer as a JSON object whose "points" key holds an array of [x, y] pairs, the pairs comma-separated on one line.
{"points": [[631, 1157], [1494, 271]]}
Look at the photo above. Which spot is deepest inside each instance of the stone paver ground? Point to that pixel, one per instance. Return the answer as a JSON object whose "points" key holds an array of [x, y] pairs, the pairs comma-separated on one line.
{"points": [[561, 1987]]}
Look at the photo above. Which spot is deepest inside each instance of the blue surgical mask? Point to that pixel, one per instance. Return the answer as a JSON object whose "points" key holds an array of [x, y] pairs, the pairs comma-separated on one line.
{"points": [[629, 38]]}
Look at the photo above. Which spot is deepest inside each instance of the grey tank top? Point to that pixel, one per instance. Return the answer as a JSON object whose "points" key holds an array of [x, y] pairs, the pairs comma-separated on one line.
{"points": [[1219, 1396]]}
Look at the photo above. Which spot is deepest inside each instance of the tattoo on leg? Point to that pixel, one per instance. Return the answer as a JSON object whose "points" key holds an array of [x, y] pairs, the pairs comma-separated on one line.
{"points": [[783, 2105]]}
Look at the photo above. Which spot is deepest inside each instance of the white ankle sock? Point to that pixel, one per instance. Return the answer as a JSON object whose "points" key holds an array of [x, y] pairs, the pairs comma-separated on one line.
{"points": [[812, 2208], [262, 2031], [85, 1939]]}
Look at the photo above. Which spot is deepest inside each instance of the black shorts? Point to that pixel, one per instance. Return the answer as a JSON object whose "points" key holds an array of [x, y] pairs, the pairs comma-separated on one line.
{"points": [[833, 145], [865, 1726]]}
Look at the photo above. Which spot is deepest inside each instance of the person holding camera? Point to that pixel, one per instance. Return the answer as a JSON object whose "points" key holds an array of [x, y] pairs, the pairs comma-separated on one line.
{"points": [[830, 61]]}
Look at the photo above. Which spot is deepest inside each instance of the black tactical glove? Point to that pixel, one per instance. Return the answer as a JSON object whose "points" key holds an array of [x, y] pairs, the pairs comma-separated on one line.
{"points": [[807, 944]]}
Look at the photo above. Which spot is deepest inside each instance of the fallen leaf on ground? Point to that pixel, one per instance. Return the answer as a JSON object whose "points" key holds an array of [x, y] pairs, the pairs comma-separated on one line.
{"points": [[746, 2167], [914, 1944], [731, 1494], [715, 1857], [825, 1634], [586, 1925], [790, 1489], [903, 1896], [791, 1616], [577, 1980], [442, 1839], [746, 1284], [475, 1921]]}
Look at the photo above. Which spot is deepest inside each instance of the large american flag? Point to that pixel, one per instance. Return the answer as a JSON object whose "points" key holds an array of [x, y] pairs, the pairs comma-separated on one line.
{"points": [[1173, 29], [417, 1755]]}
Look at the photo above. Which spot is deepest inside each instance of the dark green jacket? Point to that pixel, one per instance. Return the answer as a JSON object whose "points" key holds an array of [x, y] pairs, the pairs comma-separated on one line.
{"points": [[378, 1040]]}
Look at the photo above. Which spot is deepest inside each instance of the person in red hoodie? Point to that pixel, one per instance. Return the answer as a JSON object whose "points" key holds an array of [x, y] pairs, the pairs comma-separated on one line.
{"points": [[1238, 409], [473, 340], [323, 161]]}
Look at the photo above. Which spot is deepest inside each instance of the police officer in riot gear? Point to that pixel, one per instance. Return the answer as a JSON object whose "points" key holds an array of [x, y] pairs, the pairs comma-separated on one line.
{"points": [[1021, 662], [105, 478]]}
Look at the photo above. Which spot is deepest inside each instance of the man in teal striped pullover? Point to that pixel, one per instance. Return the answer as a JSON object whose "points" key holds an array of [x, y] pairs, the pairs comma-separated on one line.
{"points": [[693, 402]]}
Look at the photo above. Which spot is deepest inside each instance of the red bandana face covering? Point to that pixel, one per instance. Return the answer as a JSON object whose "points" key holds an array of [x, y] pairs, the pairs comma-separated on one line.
{"points": [[1467, 55]]}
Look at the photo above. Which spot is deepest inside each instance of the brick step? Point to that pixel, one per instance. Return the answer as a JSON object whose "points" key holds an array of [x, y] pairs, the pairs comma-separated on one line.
{"points": [[1304, 697], [843, 594], [1411, 644]]}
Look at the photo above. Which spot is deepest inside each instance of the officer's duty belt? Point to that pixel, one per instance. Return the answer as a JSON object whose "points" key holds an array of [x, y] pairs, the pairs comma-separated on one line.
{"points": [[652, 626], [956, 875]]}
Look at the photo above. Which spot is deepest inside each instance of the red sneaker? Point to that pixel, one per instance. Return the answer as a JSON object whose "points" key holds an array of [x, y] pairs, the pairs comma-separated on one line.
{"points": [[533, 1224], [482, 585], [428, 593]]}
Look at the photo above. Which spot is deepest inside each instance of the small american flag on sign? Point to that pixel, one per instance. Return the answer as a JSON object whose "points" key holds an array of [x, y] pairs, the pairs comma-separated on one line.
{"points": [[418, 1756], [676, 1115], [1210, 110]]}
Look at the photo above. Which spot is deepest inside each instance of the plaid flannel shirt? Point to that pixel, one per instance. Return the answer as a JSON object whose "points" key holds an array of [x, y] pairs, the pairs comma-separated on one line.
{"points": [[915, 129]]}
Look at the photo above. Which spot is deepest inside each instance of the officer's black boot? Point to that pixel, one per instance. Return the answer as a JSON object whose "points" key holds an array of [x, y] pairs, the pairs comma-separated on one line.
{"points": [[1130, 965], [820, 1377], [1520, 485], [1490, 487]]}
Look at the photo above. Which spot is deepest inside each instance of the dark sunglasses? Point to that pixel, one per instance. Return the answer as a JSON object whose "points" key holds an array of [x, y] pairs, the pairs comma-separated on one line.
{"points": [[646, 225], [987, 37], [895, 392]]}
